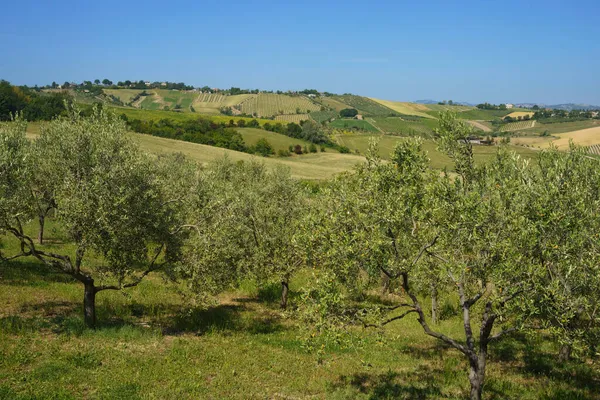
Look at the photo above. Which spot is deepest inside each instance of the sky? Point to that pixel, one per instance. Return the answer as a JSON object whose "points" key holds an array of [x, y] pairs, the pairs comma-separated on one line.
{"points": [[473, 51]]}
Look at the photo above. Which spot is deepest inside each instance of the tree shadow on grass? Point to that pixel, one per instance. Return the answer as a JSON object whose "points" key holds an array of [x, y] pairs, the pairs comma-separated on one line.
{"points": [[30, 273], [224, 319], [416, 384]]}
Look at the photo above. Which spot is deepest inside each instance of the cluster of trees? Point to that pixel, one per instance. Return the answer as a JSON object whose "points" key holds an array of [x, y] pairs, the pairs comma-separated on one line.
{"points": [[488, 106], [514, 244], [525, 117], [549, 116], [199, 130], [32, 104], [348, 113]]}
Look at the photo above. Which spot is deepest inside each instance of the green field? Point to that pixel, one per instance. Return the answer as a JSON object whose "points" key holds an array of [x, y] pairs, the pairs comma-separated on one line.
{"points": [[477, 114], [323, 116], [342, 123], [269, 104], [364, 105], [153, 344], [397, 125], [125, 95], [438, 160], [277, 140], [445, 107]]}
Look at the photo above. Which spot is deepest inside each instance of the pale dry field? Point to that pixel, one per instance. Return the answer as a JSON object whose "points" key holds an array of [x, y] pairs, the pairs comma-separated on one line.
{"points": [[521, 114], [404, 107]]}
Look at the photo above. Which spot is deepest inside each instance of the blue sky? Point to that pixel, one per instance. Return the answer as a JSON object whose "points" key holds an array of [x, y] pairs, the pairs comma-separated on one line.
{"points": [[509, 51]]}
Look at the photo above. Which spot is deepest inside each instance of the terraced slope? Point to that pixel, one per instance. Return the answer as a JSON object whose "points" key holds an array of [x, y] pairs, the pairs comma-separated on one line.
{"points": [[365, 106]]}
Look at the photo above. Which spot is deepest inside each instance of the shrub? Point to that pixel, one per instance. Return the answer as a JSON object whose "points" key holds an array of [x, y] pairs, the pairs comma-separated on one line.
{"points": [[283, 153], [344, 150], [312, 148], [298, 149], [263, 147]]}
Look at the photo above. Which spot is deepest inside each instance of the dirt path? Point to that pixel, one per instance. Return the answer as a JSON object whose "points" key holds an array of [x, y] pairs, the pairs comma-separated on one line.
{"points": [[479, 125]]}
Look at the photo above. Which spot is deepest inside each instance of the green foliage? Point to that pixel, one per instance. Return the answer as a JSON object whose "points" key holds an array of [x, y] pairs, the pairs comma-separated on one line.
{"points": [[263, 147], [348, 113]]}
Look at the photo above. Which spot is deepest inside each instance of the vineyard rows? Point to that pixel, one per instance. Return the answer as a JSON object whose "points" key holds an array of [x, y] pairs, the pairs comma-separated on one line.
{"points": [[266, 105], [297, 118], [594, 149], [517, 126], [210, 98]]}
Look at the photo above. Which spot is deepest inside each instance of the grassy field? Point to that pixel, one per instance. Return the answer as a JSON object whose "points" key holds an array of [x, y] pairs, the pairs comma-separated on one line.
{"points": [[125, 95], [322, 116], [445, 107], [365, 105], [210, 103], [477, 114], [342, 123], [404, 107], [297, 118], [277, 140], [403, 127], [155, 344], [269, 104], [333, 103], [156, 115], [438, 160]]}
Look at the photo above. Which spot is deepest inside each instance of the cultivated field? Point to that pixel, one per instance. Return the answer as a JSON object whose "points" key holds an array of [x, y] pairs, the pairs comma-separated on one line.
{"points": [[404, 107], [277, 140], [125, 95], [297, 118], [518, 126], [210, 103], [403, 127], [365, 105], [518, 114], [564, 127], [268, 104], [322, 116], [333, 103], [584, 137], [445, 107], [341, 123]]}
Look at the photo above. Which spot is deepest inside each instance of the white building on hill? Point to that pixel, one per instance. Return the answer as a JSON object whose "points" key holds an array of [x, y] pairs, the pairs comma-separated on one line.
{"points": [[508, 105]]}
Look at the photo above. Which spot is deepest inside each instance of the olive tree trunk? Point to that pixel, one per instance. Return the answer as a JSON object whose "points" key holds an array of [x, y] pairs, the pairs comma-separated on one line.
{"points": [[89, 304], [285, 288], [42, 221], [434, 304]]}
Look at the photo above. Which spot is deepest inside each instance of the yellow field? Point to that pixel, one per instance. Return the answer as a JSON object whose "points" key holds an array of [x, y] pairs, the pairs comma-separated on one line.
{"points": [[517, 114], [210, 103], [583, 137], [404, 107], [292, 118]]}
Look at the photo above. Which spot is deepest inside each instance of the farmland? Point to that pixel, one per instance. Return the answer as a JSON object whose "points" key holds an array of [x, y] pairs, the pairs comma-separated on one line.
{"points": [[323, 116], [564, 127], [518, 126], [268, 105], [210, 103], [125, 95], [438, 160], [296, 118], [446, 107], [404, 107], [352, 124], [397, 125], [517, 114], [333, 103], [365, 105], [277, 140]]}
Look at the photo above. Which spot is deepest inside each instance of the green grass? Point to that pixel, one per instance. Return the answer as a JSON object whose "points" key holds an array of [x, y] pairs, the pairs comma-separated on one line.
{"points": [[152, 343], [438, 160], [364, 105], [477, 114], [277, 140], [423, 127], [125, 95], [323, 116], [341, 123], [320, 165]]}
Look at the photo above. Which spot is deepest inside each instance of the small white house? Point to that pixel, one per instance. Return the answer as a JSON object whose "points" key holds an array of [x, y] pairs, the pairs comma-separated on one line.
{"points": [[508, 105]]}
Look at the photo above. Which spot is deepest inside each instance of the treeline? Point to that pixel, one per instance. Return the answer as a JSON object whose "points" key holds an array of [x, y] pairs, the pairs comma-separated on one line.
{"points": [[200, 130], [488, 106], [512, 245], [550, 116], [32, 104]]}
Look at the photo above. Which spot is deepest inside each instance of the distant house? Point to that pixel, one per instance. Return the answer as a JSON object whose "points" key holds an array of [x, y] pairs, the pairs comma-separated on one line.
{"points": [[147, 83], [594, 114], [312, 96], [359, 116], [508, 105], [163, 84]]}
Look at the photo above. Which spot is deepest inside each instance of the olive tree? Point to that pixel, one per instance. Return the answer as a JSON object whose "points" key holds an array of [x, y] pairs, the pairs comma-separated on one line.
{"points": [[112, 200], [460, 232], [564, 210], [246, 224]]}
